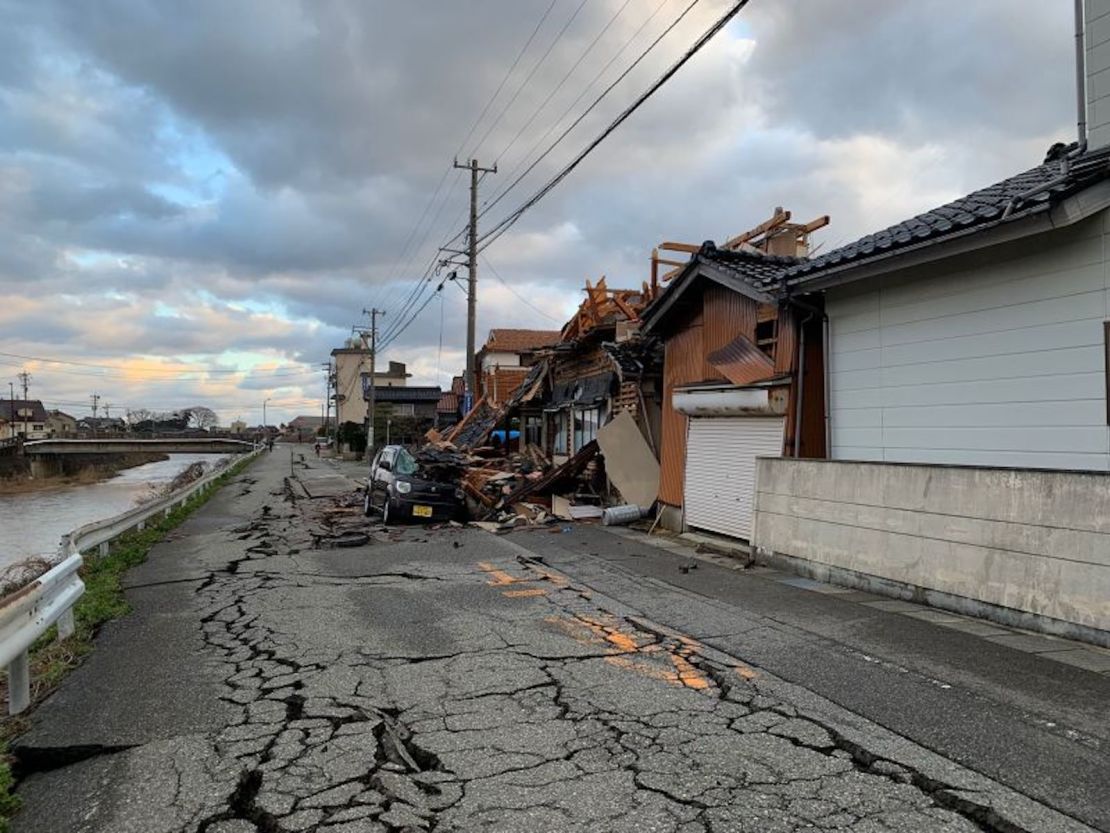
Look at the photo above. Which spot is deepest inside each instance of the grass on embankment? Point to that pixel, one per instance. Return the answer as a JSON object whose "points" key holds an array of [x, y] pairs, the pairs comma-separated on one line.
{"points": [[103, 600]]}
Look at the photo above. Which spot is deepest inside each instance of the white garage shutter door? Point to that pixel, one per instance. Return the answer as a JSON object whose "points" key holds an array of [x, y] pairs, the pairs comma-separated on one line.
{"points": [[720, 470]]}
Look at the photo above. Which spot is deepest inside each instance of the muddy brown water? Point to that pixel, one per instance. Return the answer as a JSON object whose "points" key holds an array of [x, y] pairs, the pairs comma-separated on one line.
{"points": [[34, 522]]}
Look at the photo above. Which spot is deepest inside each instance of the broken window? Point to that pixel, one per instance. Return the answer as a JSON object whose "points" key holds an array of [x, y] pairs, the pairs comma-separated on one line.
{"points": [[560, 444], [767, 329], [586, 423]]}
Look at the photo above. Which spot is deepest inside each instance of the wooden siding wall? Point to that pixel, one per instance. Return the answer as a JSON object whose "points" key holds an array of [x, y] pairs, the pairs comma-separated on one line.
{"points": [[725, 314], [683, 362], [995, 360]]}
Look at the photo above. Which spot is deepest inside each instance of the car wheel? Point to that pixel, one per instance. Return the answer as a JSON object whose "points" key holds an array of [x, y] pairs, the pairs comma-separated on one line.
{"points": [[385, 512], [367, 509]]}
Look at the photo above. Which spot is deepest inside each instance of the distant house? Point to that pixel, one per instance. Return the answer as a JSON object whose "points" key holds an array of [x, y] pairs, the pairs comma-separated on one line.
{"points": [[412, 407], [303, 428], [352, 371], [60, 424], [101, 425], [505, 359], [26, 418], [449, 407]]}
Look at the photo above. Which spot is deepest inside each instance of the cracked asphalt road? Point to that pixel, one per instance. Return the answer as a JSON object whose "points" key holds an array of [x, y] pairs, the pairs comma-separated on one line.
{"points": [[450, 681]]}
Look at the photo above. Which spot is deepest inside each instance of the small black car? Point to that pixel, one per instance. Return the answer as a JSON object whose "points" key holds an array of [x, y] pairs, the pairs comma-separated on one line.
{"points": [[396, 489]]}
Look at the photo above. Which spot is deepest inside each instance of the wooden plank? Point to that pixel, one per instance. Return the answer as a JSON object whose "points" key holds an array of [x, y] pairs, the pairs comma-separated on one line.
{"points": [[672, 246], [762, 228], [469, 416]]}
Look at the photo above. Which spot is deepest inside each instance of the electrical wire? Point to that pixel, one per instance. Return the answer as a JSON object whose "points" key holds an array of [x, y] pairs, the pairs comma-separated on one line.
{"points": [[499, 229], [585, 91], [524, 83], [562, 81], [474, 126], [520, 297], [581, 116]]}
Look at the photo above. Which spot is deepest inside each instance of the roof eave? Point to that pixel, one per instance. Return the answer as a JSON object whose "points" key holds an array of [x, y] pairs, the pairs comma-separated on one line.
{"points": [[698, 266], [1068, 211]]}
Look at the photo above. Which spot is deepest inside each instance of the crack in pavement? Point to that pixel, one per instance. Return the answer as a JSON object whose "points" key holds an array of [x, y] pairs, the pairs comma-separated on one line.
{"points": [[418, 689]]}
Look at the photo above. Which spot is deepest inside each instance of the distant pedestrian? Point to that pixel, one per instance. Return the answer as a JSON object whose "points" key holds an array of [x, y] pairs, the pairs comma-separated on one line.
{"points": [[316, 448], [270, 444]]}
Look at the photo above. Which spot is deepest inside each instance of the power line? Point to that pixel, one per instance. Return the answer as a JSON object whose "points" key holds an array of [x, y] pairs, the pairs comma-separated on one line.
{"points": [[501, 227], [524, 83], [627, 112], [519, 297], [459, 150], [562, 81], [585, 90], [706, 36]]}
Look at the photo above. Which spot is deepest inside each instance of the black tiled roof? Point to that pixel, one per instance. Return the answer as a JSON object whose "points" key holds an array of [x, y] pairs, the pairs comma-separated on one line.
{"points": [[980, 209], [760, 269]]}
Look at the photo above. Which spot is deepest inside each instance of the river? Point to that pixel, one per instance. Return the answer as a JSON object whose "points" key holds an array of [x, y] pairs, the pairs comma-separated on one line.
{"points": [[34, 522]]}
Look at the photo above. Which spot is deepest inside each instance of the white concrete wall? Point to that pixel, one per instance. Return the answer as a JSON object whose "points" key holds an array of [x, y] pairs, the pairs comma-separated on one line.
{"points": [[492, 360], [348, 383], [1032, 541], [994, 359], [1097, 14]]}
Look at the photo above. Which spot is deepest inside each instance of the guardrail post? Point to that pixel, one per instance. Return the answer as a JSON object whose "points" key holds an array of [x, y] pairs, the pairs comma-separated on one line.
{"points": [[141, 526], [19, 684], [66, 626], [105, 546]]}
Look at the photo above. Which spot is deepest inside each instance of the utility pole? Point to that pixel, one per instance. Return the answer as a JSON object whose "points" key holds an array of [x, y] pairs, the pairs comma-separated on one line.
{"points": [[11, 409], [25, 382], [95, 404], [472, 283], [373, 313], [327, 396]]}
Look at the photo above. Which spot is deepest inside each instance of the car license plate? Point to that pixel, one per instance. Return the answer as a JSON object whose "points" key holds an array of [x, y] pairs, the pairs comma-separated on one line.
{"points": [[419, 511]]}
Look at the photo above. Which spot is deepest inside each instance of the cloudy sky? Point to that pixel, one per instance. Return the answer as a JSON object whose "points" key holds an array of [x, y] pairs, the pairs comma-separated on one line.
{"points": [[198, 199]]}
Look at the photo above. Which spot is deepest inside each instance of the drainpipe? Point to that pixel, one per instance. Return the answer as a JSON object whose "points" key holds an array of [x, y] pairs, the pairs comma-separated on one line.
{"points": [[827, 363], [800, 385], [1080, 79]]}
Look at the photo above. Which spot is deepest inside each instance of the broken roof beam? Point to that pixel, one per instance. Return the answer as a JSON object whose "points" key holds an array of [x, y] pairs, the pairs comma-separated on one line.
{"points": [[780, 218]]}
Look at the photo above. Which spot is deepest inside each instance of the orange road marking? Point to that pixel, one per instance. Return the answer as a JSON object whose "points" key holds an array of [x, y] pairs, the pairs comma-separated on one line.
{"points": [[519, 594]]}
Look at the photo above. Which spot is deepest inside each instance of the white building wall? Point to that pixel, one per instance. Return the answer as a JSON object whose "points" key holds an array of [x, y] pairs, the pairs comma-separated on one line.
{"points": [[994, 359], [492, 360], [1097, 14]]}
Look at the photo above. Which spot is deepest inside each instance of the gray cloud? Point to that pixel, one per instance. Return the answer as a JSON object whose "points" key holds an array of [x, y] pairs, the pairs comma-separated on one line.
{"points": [[256, 167]]}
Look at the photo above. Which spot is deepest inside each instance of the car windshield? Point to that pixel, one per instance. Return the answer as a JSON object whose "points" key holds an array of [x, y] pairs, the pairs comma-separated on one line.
{"points": [[404, 463]]}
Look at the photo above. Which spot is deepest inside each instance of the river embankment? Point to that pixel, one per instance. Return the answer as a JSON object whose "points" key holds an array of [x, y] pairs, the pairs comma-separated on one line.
{"points": [[77, 470]]}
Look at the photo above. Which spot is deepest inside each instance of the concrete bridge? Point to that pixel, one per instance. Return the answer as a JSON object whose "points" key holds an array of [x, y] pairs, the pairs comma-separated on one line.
{"points": [[52, 457], [125, 445]]}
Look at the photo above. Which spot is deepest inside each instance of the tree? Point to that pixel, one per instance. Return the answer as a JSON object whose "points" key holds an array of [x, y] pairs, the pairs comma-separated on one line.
{"points": [[200, 417], [138, 415]]}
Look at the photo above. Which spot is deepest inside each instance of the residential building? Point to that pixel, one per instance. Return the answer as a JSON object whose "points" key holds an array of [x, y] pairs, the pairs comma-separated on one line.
{"points": [[505, 358], [26, 418], [733, 357], [412, 409], [585, 387], [60, 424], [449, 408], [303, 428], [968, 381], [101, 425], [352, 370]]}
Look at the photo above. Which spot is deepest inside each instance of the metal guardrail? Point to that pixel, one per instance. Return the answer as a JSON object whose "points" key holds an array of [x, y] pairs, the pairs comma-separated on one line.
{"points": [[28, 613]]}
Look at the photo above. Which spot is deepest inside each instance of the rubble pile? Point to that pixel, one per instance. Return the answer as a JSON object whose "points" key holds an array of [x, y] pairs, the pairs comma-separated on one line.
{"points": [[502, 489]]}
